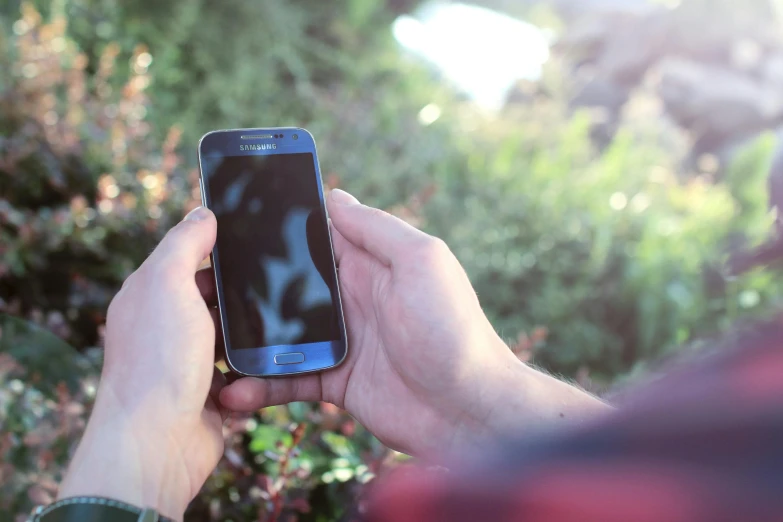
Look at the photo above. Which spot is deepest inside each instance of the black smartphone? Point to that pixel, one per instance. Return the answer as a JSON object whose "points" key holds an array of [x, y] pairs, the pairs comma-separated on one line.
{"points": [[274, 265]]}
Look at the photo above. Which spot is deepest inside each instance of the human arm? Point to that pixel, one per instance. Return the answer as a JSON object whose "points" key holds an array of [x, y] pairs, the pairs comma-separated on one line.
{"points": [[155, 431]]}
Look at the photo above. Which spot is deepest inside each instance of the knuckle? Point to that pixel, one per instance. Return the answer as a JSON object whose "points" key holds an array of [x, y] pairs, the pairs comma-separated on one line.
{"points": [[128, 281], [119, 297], [115, 305], [440, 246], [432, 250]]}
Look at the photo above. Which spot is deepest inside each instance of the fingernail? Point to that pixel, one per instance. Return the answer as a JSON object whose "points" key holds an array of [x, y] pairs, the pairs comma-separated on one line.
{"points": [[198, 214], [341, 197]]}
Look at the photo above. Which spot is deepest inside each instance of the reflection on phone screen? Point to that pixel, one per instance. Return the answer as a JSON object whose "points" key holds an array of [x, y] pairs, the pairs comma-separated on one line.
{"points": [[272, 253]]}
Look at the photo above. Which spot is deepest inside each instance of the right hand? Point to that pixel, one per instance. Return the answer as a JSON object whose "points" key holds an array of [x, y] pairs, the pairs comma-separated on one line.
{"points": [[425, 372]]}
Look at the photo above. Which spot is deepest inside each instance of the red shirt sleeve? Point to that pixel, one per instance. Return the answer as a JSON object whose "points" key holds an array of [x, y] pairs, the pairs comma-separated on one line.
{"points": [[704, 443]]}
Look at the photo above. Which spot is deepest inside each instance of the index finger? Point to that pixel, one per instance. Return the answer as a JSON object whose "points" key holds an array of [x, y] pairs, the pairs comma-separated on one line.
{"points": [[205, 280], [386, 237]]}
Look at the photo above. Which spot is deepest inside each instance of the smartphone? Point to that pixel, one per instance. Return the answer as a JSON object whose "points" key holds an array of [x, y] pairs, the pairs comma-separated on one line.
{"points": [[274, 265]]}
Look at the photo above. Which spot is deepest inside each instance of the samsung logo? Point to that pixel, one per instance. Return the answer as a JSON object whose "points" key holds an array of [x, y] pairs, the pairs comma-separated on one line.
{"points": [[263, 146]]}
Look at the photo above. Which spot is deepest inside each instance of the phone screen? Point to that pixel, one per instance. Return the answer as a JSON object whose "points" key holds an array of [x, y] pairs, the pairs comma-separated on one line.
{"points": [[273, 256]]}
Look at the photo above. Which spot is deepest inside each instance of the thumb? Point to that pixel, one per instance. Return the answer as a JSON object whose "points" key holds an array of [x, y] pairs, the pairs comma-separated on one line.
{"points": [[250, 393], [186, 245], [384, 236]]}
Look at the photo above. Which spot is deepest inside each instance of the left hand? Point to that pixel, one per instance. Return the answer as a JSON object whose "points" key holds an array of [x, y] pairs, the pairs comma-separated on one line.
{"points": [[155, 433]]}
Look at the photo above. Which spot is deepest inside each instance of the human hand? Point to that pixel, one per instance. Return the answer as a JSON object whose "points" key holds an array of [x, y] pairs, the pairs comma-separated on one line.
{"points": [[155, 433], [425, 371]]}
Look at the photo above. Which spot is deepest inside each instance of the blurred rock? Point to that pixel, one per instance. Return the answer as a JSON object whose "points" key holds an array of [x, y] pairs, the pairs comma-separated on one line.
{"points": [[772, 68], [570, 9], [719, 105], [716, 65], [601, 91]]}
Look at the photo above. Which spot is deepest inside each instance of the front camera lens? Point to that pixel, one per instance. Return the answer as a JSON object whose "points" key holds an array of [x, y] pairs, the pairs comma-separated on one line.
{"points": [[295, 136]]}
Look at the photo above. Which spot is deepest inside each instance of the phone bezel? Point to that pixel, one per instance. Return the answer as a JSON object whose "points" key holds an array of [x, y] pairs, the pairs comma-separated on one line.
{"points": [[260, 362]]}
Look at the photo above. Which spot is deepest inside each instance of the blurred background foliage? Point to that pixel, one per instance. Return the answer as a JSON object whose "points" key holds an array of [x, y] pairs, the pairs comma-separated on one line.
{"points": [[613, 208]]}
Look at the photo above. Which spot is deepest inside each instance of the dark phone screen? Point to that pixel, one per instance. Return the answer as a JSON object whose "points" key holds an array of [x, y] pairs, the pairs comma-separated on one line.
{"points": [[273, 252]]}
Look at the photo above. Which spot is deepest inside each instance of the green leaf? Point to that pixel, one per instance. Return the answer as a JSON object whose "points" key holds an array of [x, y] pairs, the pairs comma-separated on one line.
{"points": [[266, 438], [338, 444]]}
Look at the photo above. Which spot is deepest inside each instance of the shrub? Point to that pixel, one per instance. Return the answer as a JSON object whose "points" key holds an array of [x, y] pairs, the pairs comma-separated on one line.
{"points": [[87, 193]]}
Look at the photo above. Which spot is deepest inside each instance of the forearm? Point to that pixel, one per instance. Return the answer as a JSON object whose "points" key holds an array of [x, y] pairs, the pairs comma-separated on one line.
{"points": [[547, 402], [124, 459], [517, 401]]}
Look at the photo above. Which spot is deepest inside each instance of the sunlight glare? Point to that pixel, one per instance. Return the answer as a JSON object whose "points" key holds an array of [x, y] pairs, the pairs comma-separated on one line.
{"points": [[429, 114], [483, 52]]}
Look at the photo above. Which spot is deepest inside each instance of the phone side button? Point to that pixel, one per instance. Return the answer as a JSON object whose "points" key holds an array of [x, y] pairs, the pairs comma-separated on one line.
{"points": [[289, 358]]}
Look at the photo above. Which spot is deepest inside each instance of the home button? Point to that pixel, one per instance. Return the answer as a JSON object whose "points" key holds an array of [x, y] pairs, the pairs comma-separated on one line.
{"points": [[289, 358]]}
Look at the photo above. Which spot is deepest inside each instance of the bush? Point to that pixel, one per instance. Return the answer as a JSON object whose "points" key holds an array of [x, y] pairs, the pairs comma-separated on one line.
{"points": [[87, 190], [612, 252], [87, 193]]}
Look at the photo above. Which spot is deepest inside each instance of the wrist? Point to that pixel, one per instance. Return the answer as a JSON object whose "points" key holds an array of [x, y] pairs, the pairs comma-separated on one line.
{"points": [[515, 400], [492, 405], [126, 459]]}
